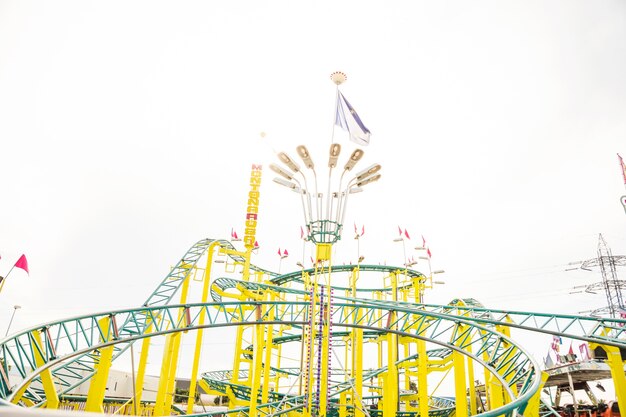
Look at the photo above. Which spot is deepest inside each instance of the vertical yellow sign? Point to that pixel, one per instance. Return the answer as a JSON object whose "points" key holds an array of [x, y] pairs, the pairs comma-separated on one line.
{"points": [[253, 207]]}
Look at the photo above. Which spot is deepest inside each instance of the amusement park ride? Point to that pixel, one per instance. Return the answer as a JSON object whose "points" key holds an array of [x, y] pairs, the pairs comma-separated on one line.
{"points": [[371, 352]]}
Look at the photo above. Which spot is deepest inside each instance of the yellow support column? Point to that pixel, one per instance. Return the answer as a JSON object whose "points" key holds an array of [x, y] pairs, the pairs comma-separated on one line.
{"points": [[422, 377], [52, 398], [343, 398], [460, 387], [143, 362], [357, 395], [238, 353], [169, 363], [532, 408], [390, 387], [616, 364], [506, 330], [199, 334], [97, 387], [493, 387], [257, 363], [460, 376], [268, 355], [159, 405], [472, 384], [171, 381], [323, 394]]}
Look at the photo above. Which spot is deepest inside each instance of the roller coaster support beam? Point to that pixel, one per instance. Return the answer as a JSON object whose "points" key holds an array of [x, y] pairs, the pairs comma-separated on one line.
{"points": [[198, 349], [422, 376], [460, 381], [269, 329], [532, 408], [52, 398], [357, 355], [257, 362], [473, 406], [169, 363], [616, 364], [391, 387], [493, 388], [511, 352], [143, 363], [97, 387]]}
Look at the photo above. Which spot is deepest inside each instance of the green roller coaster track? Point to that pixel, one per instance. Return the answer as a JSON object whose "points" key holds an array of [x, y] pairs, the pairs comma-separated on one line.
{"points": [[69, 345]]}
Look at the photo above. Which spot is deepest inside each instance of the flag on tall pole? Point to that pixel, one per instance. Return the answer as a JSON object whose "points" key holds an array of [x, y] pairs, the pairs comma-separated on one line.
{"points": [[22, 263], [347, 118]]}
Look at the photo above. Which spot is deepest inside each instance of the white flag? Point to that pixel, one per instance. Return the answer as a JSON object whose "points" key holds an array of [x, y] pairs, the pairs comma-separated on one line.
{"points": [[347, 119]]}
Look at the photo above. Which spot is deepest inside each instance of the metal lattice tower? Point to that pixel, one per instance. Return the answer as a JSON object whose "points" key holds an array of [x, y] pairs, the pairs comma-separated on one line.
{"points": [[610, 284]]}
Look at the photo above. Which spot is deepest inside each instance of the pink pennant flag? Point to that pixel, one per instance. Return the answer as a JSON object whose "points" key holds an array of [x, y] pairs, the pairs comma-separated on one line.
{"points": [[22, 263], [430, 255], [301, 233], [256, 244], [584, 351], [363, 230], [279, 253], [285, 253], [355, 232], [407, 234], [423, 242], [399, 230], [556, 343]]}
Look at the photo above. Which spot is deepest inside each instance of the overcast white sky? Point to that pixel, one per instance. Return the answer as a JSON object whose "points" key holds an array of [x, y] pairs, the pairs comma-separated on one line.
{"points": [[127, 130]]}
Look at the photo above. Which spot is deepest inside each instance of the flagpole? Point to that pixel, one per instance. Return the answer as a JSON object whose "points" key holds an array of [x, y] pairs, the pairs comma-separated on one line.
{"points": [[332, 135], [338, 78], [5, 278]]}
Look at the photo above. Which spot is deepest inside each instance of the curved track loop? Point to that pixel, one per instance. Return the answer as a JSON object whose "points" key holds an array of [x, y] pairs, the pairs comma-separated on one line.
{"points": [[220, 381], [608, 331], [69, 375], [509, 363]]}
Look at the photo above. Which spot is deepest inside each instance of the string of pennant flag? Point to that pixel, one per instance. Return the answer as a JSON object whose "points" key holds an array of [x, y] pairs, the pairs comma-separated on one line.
{"points": [[570, 356], [405, 234]]}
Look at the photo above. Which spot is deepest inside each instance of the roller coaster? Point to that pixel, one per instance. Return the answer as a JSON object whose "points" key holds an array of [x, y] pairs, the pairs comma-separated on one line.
{"points": [[377, 352], [412, 341]]}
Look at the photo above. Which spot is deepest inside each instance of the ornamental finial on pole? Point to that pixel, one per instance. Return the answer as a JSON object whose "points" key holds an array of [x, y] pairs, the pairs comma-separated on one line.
{"points": [[338, 77]]}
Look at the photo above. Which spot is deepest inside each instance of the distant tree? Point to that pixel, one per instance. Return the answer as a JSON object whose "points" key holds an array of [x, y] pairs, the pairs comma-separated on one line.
{"points": [[181, 395], [221, 400]]}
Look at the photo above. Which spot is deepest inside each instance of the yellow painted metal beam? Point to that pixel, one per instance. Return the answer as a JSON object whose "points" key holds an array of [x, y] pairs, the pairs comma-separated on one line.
{"points": [[52, 398], [98, 384], [199, 334], [257, 364], [169, 363], [143, 362], [616, 365], [532, 408]]}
